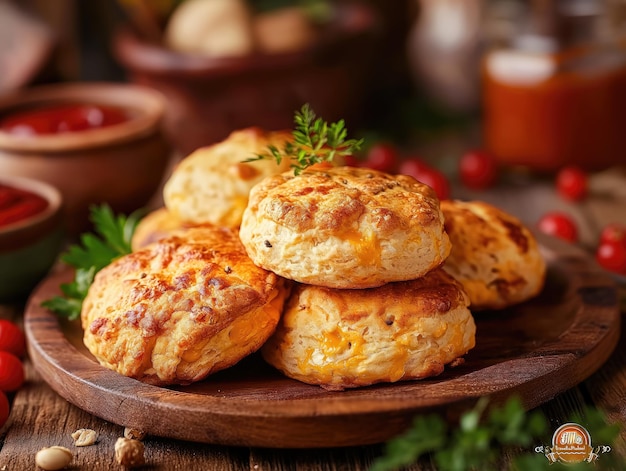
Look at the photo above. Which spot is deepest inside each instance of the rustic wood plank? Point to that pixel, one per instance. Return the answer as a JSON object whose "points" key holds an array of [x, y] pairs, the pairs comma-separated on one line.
{"points": [[41, 418], [607, 387]]}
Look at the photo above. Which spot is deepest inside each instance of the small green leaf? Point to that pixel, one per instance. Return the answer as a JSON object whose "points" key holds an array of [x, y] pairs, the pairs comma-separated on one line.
{"points": [[69, 308], [426, 434]]}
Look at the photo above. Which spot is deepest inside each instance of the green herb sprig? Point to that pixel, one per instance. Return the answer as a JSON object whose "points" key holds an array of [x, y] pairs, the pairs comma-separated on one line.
{"points": [[315, 141], [480, 436], [112, 239]]}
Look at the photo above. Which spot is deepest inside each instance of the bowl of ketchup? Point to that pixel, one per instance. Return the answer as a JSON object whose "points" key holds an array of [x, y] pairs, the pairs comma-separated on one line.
{"points": [[96, 142], [32, 234]]}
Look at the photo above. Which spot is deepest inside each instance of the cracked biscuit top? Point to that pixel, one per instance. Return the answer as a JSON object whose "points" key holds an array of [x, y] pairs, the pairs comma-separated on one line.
{"points": [[211, 185], [181, 308], [494, 255], [344, 227]]}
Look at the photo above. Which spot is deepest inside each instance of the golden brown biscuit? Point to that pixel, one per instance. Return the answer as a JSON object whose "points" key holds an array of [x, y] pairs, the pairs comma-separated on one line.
{"points": [[182, 308], [344, 227], [494, 256], [349, 338], [213, 183], [155, 225]]}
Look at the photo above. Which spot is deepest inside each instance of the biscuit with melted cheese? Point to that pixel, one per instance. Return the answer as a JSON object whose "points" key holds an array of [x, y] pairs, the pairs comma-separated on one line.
{"points": [[212, 184], [182, 308], [342, 338], [344, 227], [494, 255], [155, 225]]}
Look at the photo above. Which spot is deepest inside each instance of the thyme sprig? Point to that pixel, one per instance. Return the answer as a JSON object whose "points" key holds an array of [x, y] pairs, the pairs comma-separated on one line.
{"points": [[315, 141]]}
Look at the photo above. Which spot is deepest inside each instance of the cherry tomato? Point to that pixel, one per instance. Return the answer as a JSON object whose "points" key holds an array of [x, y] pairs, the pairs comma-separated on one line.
{"points": [[11, 372], [571, 183], [478, 170], [613, 233], [559, 225], [351, 161], [413, 166], [612, 256], [12, 338], [428, 175], [382, 156], [4, 408]]}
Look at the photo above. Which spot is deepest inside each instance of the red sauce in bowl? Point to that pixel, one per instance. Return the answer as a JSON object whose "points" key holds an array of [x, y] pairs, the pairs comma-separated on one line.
{"points": [[17, 204], [56, 119]]}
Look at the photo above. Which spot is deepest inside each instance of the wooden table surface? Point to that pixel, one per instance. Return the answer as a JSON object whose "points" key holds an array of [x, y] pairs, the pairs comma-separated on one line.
{"points": [[40, 417]]}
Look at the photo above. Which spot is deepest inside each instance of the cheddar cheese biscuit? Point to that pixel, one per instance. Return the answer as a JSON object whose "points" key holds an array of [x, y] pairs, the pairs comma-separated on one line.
{"points": [[494, 255], [343, 338], [344, 227], [155, 225], [181, 308], [212, 184]]}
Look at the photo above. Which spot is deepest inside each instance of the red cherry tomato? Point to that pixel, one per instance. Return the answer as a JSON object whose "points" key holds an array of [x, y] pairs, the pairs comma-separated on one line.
{"points": [[478, 170], [571, 183], [4, 409], [559, 225], [613, 233], [428, 175], [11, 372], [413, 166], [12, 338], [351, 161], [612, 257], [382, 156]]}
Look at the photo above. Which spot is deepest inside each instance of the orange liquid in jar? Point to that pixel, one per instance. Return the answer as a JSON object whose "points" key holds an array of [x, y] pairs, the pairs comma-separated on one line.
{"points": [[573, 114]]}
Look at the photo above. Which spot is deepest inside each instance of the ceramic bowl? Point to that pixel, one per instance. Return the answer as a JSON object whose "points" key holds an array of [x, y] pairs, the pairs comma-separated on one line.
{"points": [[122, 164], [211, 96], [30, 246]]}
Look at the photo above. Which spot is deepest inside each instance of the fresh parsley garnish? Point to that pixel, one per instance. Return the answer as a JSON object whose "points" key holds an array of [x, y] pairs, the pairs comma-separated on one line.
{"points": [[480, 436], [315, 141], [112, 239]]}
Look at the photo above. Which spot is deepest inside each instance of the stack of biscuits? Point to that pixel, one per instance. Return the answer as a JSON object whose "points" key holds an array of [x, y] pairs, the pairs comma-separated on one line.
{"points": [[371, 303], [342, 277]]}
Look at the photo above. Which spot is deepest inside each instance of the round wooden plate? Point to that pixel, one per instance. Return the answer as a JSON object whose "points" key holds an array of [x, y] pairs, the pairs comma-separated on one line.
{"points": [[535, 351]]}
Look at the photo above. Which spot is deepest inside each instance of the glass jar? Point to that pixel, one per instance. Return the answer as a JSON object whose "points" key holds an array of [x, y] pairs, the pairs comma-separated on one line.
{"points": [[555, 95]]}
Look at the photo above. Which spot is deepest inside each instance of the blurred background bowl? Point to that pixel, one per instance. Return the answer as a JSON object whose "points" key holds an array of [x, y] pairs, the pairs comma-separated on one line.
{"points": [[30, 246], [122, 164], [210, 96]]}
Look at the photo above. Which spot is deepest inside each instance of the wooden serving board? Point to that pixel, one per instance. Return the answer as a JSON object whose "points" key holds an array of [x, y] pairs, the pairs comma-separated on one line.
{"points": [[535, 351]]}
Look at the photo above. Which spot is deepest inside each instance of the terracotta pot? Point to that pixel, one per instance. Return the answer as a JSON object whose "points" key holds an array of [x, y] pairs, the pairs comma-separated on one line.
{"points": [[122, 165]]}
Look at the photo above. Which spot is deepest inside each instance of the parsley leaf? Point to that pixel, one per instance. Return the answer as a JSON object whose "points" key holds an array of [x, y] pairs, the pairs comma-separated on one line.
{"points": [[111, 240], [315, 141], [427, 434]]}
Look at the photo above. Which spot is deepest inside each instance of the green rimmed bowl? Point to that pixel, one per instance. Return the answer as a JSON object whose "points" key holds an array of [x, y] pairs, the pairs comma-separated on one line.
{"points": [[29, 247]]}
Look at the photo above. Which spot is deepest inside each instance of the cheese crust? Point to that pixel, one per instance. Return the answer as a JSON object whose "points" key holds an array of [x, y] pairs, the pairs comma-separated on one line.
{"points": [[212, 184], [494, 255], [342, 338], [181, 308], [344, 227]]}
